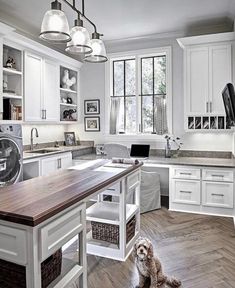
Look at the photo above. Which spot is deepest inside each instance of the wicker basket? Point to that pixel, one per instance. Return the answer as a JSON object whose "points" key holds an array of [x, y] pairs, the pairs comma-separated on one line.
{"points": [[51, 268], [14, 276], [110, 233]]}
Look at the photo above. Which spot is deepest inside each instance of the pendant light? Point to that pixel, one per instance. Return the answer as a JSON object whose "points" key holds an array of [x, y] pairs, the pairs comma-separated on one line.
{"points": [[80, 43], [55, 27], [98, 54]]}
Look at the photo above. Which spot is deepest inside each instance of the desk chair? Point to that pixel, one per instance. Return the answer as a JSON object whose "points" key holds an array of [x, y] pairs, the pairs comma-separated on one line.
{"points": [[116, 150]]}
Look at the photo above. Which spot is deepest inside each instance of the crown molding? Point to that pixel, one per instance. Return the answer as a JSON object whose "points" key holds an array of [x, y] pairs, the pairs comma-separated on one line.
{"points": [[202, 39], [150, 37]]}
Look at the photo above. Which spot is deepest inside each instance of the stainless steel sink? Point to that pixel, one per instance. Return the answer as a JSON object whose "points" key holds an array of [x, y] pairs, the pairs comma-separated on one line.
{"points": [[43, 151]]}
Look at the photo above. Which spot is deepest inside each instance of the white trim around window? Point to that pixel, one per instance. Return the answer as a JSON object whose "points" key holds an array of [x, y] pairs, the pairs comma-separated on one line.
{"points": [[137, 54]]}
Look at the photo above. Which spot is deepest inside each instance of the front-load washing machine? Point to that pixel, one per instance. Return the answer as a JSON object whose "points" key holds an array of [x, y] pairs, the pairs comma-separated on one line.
{"points": [[11, 154]]}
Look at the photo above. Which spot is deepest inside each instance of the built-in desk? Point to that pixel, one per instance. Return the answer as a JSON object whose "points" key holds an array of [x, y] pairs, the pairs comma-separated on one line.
{"points": [[198, 185]]}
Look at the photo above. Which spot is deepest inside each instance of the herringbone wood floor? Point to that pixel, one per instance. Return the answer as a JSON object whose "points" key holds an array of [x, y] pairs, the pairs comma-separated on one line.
{"points": [[200, 250]]}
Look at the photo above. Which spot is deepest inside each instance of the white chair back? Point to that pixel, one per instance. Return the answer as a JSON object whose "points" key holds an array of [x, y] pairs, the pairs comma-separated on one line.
{"points": [[116, 150]]}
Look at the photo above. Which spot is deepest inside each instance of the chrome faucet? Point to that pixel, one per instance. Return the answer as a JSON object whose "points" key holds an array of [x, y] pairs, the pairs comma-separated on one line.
{"points": [[31, 138]]}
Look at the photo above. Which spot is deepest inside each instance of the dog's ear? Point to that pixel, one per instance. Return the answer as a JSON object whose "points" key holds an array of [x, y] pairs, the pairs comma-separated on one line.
{"points": [[150, 251]]}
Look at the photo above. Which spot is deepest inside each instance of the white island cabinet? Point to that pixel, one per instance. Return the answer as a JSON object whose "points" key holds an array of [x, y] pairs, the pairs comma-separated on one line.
{"points": [[121, 214], [43, 232]]}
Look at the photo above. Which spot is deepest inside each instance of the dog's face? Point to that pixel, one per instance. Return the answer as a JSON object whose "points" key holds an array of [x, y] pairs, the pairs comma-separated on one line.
{"points": [[143, 249]]}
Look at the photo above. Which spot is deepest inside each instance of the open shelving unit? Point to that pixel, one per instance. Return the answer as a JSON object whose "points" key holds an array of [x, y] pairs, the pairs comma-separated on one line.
{"points": [[68, 94], [117, 213], [12, 84]]}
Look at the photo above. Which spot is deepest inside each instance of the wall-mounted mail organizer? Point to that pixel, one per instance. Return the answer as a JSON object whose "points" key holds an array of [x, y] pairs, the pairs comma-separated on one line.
{"points": [[207, 123]]}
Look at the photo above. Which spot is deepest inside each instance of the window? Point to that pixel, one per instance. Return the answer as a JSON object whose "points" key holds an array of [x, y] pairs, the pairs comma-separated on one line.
{"points": [[139, 93]]}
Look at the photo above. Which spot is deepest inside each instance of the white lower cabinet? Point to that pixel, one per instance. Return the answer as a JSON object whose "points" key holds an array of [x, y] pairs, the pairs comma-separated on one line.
{"points": [[217, 194], [212, 193], [54, 163], [185, 191]]}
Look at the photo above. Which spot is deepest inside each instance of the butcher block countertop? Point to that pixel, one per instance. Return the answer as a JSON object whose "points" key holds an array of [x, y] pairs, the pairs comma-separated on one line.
{"points": [[33, 201]]}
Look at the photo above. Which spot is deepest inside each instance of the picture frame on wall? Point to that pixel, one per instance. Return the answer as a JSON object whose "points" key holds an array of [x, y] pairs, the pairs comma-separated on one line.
{"points": [[92, 107], [92, 124], [70, 139]]}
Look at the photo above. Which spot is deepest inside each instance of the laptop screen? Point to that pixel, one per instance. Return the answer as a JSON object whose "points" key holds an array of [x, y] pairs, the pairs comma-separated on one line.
{"points": [[138, 150]]}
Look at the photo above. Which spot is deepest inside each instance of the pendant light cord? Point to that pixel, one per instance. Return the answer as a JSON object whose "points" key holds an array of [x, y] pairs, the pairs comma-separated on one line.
{"points": [[73, 6]]}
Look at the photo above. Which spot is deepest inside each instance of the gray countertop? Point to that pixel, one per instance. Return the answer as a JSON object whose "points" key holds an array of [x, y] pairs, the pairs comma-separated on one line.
{"points": [[189, 161], [29, 155]]}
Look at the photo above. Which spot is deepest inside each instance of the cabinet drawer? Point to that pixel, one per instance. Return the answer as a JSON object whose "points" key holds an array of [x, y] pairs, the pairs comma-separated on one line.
{"points": [[217, 194], [217, 175], [58, 232], [186, 192], [13, 245], [133, 180], [186, 173]]}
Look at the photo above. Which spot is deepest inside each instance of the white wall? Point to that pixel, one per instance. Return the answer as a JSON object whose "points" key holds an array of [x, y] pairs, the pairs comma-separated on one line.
{"points": [[93, 86], [47, 133]]}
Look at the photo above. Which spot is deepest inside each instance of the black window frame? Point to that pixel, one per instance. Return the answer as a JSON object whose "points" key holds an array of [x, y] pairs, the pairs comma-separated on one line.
{"points": [[149, 95], [124, 85]]}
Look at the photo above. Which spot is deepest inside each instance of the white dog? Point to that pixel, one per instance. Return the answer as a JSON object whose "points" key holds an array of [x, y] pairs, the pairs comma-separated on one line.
{"points": [[149, 267]]}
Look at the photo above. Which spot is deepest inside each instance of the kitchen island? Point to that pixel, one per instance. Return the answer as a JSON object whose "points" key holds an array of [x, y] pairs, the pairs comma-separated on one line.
{"points": [[39, 217]]}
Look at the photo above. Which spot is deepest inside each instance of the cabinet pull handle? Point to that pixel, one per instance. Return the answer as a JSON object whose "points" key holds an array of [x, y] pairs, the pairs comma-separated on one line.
{"points": [[214, 175], [210, 106], [207, 106], [215, 194], [183, 191], [45, 114], [185, 173], [58, 163]]}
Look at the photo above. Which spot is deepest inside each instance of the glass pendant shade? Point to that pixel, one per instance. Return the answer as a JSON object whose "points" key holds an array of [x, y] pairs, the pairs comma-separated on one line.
{"points": [[80, 43], [98, 54], [55, 25]]}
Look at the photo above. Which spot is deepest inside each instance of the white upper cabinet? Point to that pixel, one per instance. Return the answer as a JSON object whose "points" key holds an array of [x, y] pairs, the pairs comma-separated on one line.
{"points": [[197, 78], [41, 89], [208, 69], [220, 65], [1, 78], [33, 87], [51, 90]]}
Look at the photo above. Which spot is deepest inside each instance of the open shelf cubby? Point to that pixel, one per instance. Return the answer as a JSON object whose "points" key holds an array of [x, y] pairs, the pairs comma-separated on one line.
{"points": [[68, 94], [12, 83]]}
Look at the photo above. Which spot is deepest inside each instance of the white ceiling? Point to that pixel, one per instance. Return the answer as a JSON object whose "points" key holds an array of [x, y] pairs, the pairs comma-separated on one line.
{"points": [[120, 19]]}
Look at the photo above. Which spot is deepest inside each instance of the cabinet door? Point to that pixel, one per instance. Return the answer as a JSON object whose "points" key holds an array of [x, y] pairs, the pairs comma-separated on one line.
{"points": [[65, 161], [1, 65], [220, 74], [186, 192], [197, 68], [51, 90], [49, 165], [33, 87], [217, 194]]}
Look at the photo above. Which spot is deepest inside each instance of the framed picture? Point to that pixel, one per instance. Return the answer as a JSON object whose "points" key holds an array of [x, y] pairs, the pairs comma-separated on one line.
{"points": [[92, 124], [92, 107], [70, 139]]}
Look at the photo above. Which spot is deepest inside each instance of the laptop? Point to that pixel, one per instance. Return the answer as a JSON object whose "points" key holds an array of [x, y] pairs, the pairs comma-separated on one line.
{"points": [[140, 151]]}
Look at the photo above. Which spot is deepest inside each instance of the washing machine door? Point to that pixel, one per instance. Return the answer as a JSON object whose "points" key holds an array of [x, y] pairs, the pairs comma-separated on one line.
{"points": [[10, 162]]}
